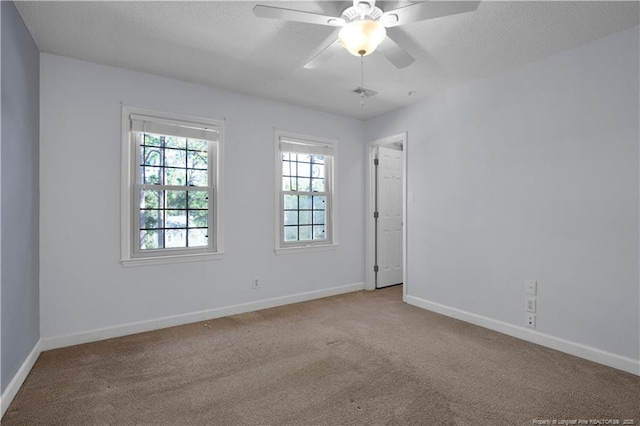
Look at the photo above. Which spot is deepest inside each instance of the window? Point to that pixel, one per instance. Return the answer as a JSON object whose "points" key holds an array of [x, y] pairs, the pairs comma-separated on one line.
{"points": [[305, 181], [171, 187]]}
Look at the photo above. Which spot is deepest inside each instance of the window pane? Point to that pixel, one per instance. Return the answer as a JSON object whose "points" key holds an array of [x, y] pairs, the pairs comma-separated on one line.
{"points": [[150, 156], [151, 219], [304, 169], [318, 159], [175, 158], [290, 202], [176, 218], [286, 168], [318, 232], [150, 199], [304, 184], [198, 237], [153, 140], [198, 200], [197, 145], [305, 217], [197, 160], [150, 240], [317, 171], [151, 175], [318, 217], [289, 183], [291, 217], [175, 177], [317, 185], [197, 219], [305, 233], [291, 233], [176, 238], [176, 199], [175, 142], [318, 202], [305, 202], [197, 177]]}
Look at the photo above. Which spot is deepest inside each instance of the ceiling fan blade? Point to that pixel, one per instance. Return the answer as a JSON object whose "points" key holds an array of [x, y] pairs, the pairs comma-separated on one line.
{"points": [[426, 10], [323, 55], [297, 16], [395, 54]]}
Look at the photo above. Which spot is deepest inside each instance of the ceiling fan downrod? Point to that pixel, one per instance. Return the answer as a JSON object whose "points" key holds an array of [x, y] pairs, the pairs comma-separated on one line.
{"points": [[362, 78]]}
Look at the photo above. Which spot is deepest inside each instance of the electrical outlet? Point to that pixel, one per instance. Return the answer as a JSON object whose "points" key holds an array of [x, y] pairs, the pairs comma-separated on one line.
{"points": [[255, 283], [530, 320], [530, 304], [531, 287]]}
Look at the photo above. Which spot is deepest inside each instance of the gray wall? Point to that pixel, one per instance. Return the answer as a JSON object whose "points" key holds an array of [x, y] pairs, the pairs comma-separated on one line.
{"points": [[19, 179], [531, 174]]}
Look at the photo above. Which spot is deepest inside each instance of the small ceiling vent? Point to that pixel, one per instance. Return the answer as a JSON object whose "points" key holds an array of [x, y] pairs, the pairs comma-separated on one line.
{"points": [[365, 92]]}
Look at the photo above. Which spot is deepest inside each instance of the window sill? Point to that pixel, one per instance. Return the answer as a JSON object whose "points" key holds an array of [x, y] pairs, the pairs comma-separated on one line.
{"points": [[305, 249], [164, 260]]}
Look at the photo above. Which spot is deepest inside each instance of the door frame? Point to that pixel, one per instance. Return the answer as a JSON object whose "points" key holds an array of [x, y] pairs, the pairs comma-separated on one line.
{"points": [[402, 138]]}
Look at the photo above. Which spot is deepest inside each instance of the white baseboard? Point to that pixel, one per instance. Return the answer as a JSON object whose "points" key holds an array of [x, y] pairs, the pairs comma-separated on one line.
{"points": [[171, 321], [587, 352], [582, 351], [19, 378]]}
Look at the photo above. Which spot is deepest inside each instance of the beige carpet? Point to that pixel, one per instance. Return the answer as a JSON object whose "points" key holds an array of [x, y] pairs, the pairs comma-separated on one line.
{"points": [[362, 358]]}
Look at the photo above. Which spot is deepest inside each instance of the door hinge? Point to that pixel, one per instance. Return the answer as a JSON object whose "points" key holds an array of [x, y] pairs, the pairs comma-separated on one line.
{"points": [[375, 215], [375, 162], [375, 268]]}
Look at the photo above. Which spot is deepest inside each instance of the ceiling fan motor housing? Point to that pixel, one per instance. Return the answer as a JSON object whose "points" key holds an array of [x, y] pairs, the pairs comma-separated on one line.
{"points": [[354, 13]]}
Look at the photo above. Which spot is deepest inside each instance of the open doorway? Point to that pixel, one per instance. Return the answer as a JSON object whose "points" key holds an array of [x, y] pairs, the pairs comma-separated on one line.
{"points": [[386, 213]]}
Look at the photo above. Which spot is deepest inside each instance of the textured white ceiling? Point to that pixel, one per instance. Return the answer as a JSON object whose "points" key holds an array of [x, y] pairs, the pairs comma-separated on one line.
{"points": [[222, 44]]}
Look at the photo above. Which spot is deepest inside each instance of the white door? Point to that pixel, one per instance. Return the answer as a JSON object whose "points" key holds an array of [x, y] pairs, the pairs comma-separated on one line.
{"points": [[389, 223]]}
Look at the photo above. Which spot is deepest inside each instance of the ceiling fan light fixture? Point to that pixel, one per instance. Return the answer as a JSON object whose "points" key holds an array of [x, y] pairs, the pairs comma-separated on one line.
{"points": [[361, 38]]}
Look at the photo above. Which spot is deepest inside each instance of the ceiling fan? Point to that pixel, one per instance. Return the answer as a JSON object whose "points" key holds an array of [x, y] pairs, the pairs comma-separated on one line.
{"points": [[363, 26]]}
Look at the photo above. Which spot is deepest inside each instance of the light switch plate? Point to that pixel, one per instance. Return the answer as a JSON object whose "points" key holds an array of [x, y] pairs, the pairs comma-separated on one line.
{"points": [[531, 287]]}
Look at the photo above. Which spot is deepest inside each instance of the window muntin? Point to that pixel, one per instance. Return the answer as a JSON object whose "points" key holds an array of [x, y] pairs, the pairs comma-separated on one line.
{"points": [[305, 191]]}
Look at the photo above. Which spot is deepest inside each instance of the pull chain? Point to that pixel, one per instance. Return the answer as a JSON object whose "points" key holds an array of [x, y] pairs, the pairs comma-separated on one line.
{"points": [[362, 80]]}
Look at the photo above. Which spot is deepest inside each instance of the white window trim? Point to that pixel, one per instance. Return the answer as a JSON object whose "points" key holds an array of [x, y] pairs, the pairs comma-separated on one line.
{"points": [[127, 179], [332, 244]]}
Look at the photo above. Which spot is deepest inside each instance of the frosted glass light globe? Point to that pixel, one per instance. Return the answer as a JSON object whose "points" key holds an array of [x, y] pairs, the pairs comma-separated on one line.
{"points": [[361, 38]]}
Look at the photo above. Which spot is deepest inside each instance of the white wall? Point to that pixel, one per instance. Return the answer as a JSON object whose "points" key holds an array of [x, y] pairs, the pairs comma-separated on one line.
{"points": [[532, 174], [84, 287]]}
